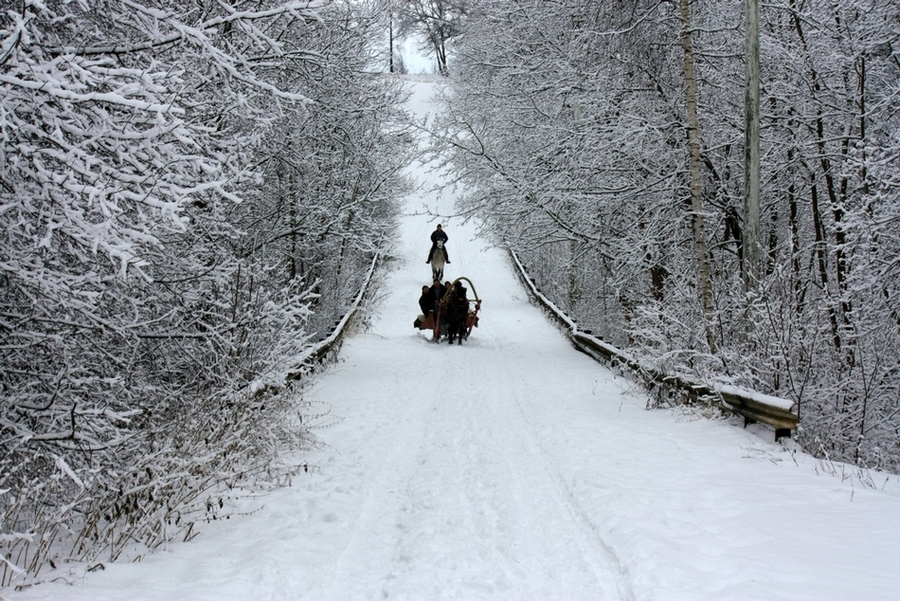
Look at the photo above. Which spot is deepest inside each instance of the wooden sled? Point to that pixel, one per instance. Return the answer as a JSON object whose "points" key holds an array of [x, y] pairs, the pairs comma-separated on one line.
{"points": [[429, 322]]}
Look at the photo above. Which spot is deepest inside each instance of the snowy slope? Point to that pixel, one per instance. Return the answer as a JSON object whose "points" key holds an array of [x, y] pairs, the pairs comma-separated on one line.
{"points": [[514, 467]]}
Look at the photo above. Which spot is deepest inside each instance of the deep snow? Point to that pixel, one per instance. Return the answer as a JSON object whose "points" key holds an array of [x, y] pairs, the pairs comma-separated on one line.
{"points": [[514, 467]]}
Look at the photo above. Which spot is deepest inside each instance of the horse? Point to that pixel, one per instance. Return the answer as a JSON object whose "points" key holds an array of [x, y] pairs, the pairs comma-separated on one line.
{"points": [[438, 260], [457, 308]]}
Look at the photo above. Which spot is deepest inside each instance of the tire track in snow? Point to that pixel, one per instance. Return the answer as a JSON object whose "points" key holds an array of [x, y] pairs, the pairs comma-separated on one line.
{"points": [[536, 465], [459, 496]]}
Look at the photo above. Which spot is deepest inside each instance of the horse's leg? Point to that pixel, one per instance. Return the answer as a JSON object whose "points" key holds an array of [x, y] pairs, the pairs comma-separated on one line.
{"points": [[437, 325]]}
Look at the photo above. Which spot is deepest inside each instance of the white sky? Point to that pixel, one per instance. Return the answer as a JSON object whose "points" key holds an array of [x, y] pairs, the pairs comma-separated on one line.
{"points": [[514, 467], [416, 62]]}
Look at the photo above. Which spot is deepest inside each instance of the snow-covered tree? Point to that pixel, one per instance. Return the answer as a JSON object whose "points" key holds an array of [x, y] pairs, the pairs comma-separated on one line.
{"points": [[572, 131], [153, 155], [436, 22]]}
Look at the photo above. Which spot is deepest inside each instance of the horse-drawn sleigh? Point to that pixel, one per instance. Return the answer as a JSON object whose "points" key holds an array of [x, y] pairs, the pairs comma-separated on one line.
{"points": [[456, 313]]}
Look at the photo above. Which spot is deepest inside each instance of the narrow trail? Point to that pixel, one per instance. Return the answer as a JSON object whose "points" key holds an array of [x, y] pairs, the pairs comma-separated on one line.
{"points": [[456, 480], [514, 467]]}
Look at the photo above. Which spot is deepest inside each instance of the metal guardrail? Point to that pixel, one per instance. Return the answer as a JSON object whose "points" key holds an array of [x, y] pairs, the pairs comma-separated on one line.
{"points": [[779, 413], [329, 345]]}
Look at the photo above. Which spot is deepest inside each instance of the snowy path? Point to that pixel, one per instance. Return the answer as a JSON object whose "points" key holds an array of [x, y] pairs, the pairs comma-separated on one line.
{"points": [[514, 467]]}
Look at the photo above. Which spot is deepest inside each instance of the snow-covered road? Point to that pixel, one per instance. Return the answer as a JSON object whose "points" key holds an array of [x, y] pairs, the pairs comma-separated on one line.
{"points": [[514, 467]]}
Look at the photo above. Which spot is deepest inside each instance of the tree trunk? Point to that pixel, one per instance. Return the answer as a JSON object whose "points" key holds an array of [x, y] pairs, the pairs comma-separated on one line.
{"points": [[837, 203], [391, 41], [751, 259], [696, 182], [793, 221]]}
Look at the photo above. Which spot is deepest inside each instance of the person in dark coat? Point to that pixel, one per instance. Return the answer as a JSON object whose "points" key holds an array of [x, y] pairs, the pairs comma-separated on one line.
{"points": [[438, 234], [426, 306], [436, 293], [435, 296], [457, 313], [425, 302]]}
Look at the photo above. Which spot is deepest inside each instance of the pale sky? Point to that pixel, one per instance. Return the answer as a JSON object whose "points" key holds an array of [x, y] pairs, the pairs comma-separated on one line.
{"points": [[416, 62]]}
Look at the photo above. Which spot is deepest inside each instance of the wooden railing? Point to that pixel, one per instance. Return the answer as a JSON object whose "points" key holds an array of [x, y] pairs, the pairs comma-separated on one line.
{"points": [[779, 413]]}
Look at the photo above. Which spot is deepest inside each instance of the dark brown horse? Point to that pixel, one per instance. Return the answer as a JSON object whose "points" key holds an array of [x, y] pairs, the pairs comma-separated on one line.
{"points": [[457, 308]]}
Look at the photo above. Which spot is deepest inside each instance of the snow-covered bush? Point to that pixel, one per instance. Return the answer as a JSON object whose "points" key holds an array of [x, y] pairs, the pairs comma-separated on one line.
{"points": [[185, 188], [570, 124]]}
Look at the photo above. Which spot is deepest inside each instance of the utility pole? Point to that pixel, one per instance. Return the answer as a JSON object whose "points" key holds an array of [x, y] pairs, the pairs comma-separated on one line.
{"points": [[750, 251], [391, 37]]}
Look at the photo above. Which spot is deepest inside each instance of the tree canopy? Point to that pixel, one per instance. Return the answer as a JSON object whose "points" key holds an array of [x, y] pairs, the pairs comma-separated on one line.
{"points": [[582, 151], [191, 193]]}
